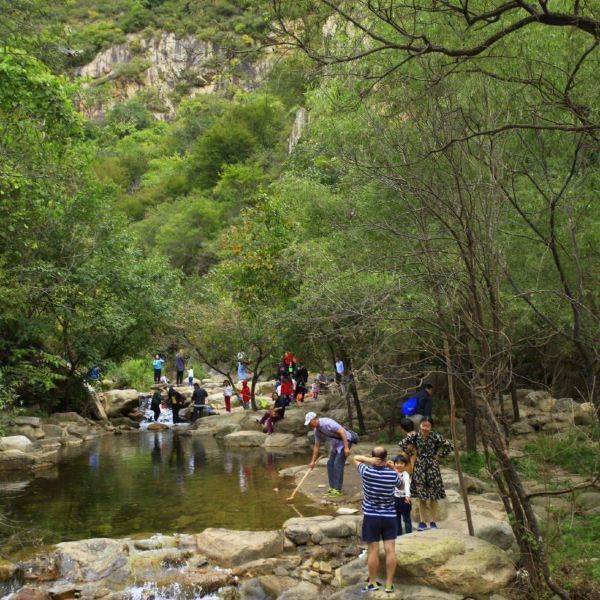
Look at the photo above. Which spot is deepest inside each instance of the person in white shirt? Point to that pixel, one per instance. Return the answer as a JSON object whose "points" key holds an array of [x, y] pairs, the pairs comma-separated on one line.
{"points": [[402, 494], [227, 393], [339, 369], [191, 377]]}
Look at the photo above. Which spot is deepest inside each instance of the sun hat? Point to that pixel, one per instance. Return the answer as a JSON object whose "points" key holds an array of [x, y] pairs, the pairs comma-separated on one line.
{"points": [[309, 417]]}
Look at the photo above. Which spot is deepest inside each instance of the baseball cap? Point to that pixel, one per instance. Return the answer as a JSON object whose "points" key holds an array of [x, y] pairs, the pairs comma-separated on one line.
{"points": [[309, 417]]}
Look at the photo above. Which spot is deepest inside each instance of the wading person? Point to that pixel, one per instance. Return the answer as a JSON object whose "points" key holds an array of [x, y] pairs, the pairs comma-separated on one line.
{"points": [[379, 481], [176, 399], [155, 404], [339, 441], [427, 485]]}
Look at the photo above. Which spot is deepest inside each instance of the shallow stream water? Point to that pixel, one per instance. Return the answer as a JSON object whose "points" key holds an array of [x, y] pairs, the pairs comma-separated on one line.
{"points": [[143, 483]]}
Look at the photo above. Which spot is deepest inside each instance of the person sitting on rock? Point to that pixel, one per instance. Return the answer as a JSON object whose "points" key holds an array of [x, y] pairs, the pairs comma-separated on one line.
{"points": [[199, 397], [273, 414]]}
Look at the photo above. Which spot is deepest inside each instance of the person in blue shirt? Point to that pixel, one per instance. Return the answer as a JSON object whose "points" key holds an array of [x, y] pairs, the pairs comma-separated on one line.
{"points": [[380, 480], [157, 364]]}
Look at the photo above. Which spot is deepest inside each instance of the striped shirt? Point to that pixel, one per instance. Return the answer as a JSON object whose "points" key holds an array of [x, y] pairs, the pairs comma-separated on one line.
{"points": [[379, 484]]}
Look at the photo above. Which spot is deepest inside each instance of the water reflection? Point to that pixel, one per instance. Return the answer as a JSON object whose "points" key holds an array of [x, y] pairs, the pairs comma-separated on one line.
{"points": [[143, 483]]}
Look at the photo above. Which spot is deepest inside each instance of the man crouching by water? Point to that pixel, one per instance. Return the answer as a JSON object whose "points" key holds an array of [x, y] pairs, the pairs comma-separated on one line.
{"points": [[379, 521]]}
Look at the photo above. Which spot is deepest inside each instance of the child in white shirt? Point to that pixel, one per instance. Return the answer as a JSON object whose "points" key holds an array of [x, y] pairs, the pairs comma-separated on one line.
{"points": [[191, 377], [402, 495], [227, 393]]}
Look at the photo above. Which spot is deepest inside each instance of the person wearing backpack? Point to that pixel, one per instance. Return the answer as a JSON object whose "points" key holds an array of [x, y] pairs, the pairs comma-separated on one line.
{"points": [[420, 405]]}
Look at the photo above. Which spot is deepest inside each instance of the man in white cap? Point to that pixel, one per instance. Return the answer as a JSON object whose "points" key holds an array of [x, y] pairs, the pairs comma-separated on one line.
{"points": [[330, 430]]}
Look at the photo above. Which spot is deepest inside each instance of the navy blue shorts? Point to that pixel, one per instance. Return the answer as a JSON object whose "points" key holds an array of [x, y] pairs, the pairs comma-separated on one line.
{"points": [[379, 528]]}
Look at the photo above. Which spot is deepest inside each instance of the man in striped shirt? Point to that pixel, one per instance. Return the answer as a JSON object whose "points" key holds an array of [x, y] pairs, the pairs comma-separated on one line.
{"points": [[379, 514]]}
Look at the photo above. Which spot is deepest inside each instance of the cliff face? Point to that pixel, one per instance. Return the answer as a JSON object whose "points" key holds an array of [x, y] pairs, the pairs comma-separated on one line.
{"points": [[167, 64]]}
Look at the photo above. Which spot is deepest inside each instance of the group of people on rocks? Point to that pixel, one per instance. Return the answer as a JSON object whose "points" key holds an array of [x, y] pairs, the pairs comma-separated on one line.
{"points": [[390, 485]]}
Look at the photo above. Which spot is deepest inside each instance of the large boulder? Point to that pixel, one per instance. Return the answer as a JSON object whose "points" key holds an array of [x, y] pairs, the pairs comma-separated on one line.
{"points": [[585, 414], [541, 400], [93, 560], [245, 438], [30, 427], [53, 431], [120, 402], [285, 440], [588, 503], [62, 418], [15, 442], [491, 530], [233, 548], [453, 562], [521, 428], [264, 388]]}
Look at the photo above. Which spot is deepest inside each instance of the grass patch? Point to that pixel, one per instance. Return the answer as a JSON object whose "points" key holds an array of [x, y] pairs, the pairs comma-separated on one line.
{"points": [[472, 462], [574, 558], [576, 451]]}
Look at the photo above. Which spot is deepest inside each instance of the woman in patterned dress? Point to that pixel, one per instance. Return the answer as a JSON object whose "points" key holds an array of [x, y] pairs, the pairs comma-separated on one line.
{"points": [[427, 484]]}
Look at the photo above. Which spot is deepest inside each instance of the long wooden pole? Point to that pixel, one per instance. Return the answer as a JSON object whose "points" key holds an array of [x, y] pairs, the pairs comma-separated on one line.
{"points": [[298, 486]]}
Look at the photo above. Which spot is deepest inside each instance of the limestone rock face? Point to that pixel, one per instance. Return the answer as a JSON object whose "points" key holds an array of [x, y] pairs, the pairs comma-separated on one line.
{"points": [[120, 402], [93, 560], [233, 548], [245, 438], [453, 562], [15, 442]]}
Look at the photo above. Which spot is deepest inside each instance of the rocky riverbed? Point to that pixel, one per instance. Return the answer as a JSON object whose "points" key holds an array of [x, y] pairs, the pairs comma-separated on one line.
{"points": [[307, 556]]}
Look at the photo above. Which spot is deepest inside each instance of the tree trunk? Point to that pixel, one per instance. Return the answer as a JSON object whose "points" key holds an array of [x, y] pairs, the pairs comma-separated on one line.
{"points": [[515, 399], [461, 481]]}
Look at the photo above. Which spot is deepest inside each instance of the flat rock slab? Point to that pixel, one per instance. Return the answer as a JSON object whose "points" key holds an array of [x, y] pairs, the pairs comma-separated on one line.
{"points": [[245, 438], [95, 559], [230, 548], [321, 529]]}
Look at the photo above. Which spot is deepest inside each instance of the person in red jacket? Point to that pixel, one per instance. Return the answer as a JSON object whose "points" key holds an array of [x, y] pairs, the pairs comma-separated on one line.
{"points": [[287, 388], [245, 395]]}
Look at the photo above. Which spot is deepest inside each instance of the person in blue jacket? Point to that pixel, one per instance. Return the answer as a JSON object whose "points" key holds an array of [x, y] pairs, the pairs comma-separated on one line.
{"points": [[157, 364]]}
